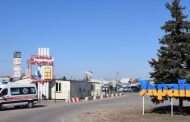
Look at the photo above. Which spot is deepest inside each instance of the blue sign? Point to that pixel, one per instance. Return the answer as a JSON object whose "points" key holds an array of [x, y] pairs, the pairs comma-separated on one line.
{"points": [[5, 82]]}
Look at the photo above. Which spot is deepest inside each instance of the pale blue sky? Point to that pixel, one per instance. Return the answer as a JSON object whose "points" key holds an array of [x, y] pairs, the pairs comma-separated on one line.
{"points": [[104, 36]]}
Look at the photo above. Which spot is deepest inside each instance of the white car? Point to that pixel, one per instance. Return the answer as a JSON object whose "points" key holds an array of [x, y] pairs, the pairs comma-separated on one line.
{"points": [[121, 89]]}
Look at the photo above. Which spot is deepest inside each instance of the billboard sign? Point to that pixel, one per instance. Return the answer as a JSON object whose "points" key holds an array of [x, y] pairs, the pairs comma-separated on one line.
{"points": [[47, 72], [42, 62], [162, 90]]}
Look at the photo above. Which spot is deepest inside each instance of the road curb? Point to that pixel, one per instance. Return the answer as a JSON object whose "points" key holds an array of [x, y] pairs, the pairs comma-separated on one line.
{"points": [[89, 98]]}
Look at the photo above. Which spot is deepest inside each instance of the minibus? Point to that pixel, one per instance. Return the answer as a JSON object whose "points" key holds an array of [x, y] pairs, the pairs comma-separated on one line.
{"points": [[15, 95]]}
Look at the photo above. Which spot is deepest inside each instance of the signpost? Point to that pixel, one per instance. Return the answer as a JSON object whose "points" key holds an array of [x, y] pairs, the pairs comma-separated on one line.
{"points": [[143, 105], [182, 89], [172, 100]]}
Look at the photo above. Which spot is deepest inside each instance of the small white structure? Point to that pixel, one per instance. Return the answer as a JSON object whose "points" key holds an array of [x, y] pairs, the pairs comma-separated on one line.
{"points": [[96, 87], [60, 89]]}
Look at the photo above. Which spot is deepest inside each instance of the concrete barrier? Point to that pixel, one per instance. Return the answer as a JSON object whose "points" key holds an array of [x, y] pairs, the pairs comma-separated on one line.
{"points": [[97, 97], [68, 100], [102, 96], [72, 100], [94, 97], [88, 98], [107, 95], [112, 95]]}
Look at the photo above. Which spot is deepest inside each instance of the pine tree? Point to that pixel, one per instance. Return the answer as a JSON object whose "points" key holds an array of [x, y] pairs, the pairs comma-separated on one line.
{"points": [[173, 62]]}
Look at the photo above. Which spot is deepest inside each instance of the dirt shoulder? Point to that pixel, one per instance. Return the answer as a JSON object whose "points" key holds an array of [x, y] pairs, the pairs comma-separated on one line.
{"points": [[129, 115]]}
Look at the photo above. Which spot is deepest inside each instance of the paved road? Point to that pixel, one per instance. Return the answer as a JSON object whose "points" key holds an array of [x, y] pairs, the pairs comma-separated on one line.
{"points": [[64, 112]]}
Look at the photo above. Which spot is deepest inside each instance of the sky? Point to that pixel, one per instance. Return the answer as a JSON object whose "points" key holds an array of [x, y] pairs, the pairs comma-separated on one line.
{"points": [[103, 36]]}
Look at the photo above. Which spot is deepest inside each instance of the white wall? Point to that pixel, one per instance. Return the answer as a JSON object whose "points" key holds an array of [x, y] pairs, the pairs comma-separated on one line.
{"points": [[70, 89], [80, 89], [96, 89], [43, 90], [65, 90]]}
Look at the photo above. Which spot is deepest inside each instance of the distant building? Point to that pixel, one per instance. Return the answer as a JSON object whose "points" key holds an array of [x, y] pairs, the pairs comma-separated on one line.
{"points": [[125, 80], [96, 87]]}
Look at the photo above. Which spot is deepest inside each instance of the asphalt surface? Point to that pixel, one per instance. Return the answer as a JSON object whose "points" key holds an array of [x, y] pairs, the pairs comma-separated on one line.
{"points": [[67, 112]]}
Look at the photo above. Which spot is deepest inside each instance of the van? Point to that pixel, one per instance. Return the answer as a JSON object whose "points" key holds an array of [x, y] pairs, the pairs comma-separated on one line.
{"points": [[14, 95]]}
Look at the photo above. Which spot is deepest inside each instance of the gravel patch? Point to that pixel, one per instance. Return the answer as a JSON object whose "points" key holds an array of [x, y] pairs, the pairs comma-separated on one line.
{"points": [[130, 115]]}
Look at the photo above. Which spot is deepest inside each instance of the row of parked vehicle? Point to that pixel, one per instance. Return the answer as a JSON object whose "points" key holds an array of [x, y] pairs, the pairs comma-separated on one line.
{"points": [[129, 88], [121, 88]]}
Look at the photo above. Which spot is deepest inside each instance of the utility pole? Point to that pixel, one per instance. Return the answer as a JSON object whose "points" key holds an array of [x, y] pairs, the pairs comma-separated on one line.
{"points": [[117, 76]]}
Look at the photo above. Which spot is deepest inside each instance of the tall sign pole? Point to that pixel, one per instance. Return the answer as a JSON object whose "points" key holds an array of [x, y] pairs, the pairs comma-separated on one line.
{"points": [[172, 100], [17, 65]]}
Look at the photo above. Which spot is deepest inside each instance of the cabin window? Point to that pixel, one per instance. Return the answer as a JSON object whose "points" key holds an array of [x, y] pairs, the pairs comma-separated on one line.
{"points": [[32, 90], [58, 87], [23, 90], [15, 91]]}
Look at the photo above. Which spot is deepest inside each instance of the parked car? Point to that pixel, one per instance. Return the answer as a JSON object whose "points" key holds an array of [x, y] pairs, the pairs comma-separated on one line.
{"points": [[125, 89], [120, 89], [133, 89], [103, 88]]}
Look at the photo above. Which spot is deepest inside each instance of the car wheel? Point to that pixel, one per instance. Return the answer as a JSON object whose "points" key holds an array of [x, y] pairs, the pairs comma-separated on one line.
{"points": [[30, 104], [1, 107]]}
